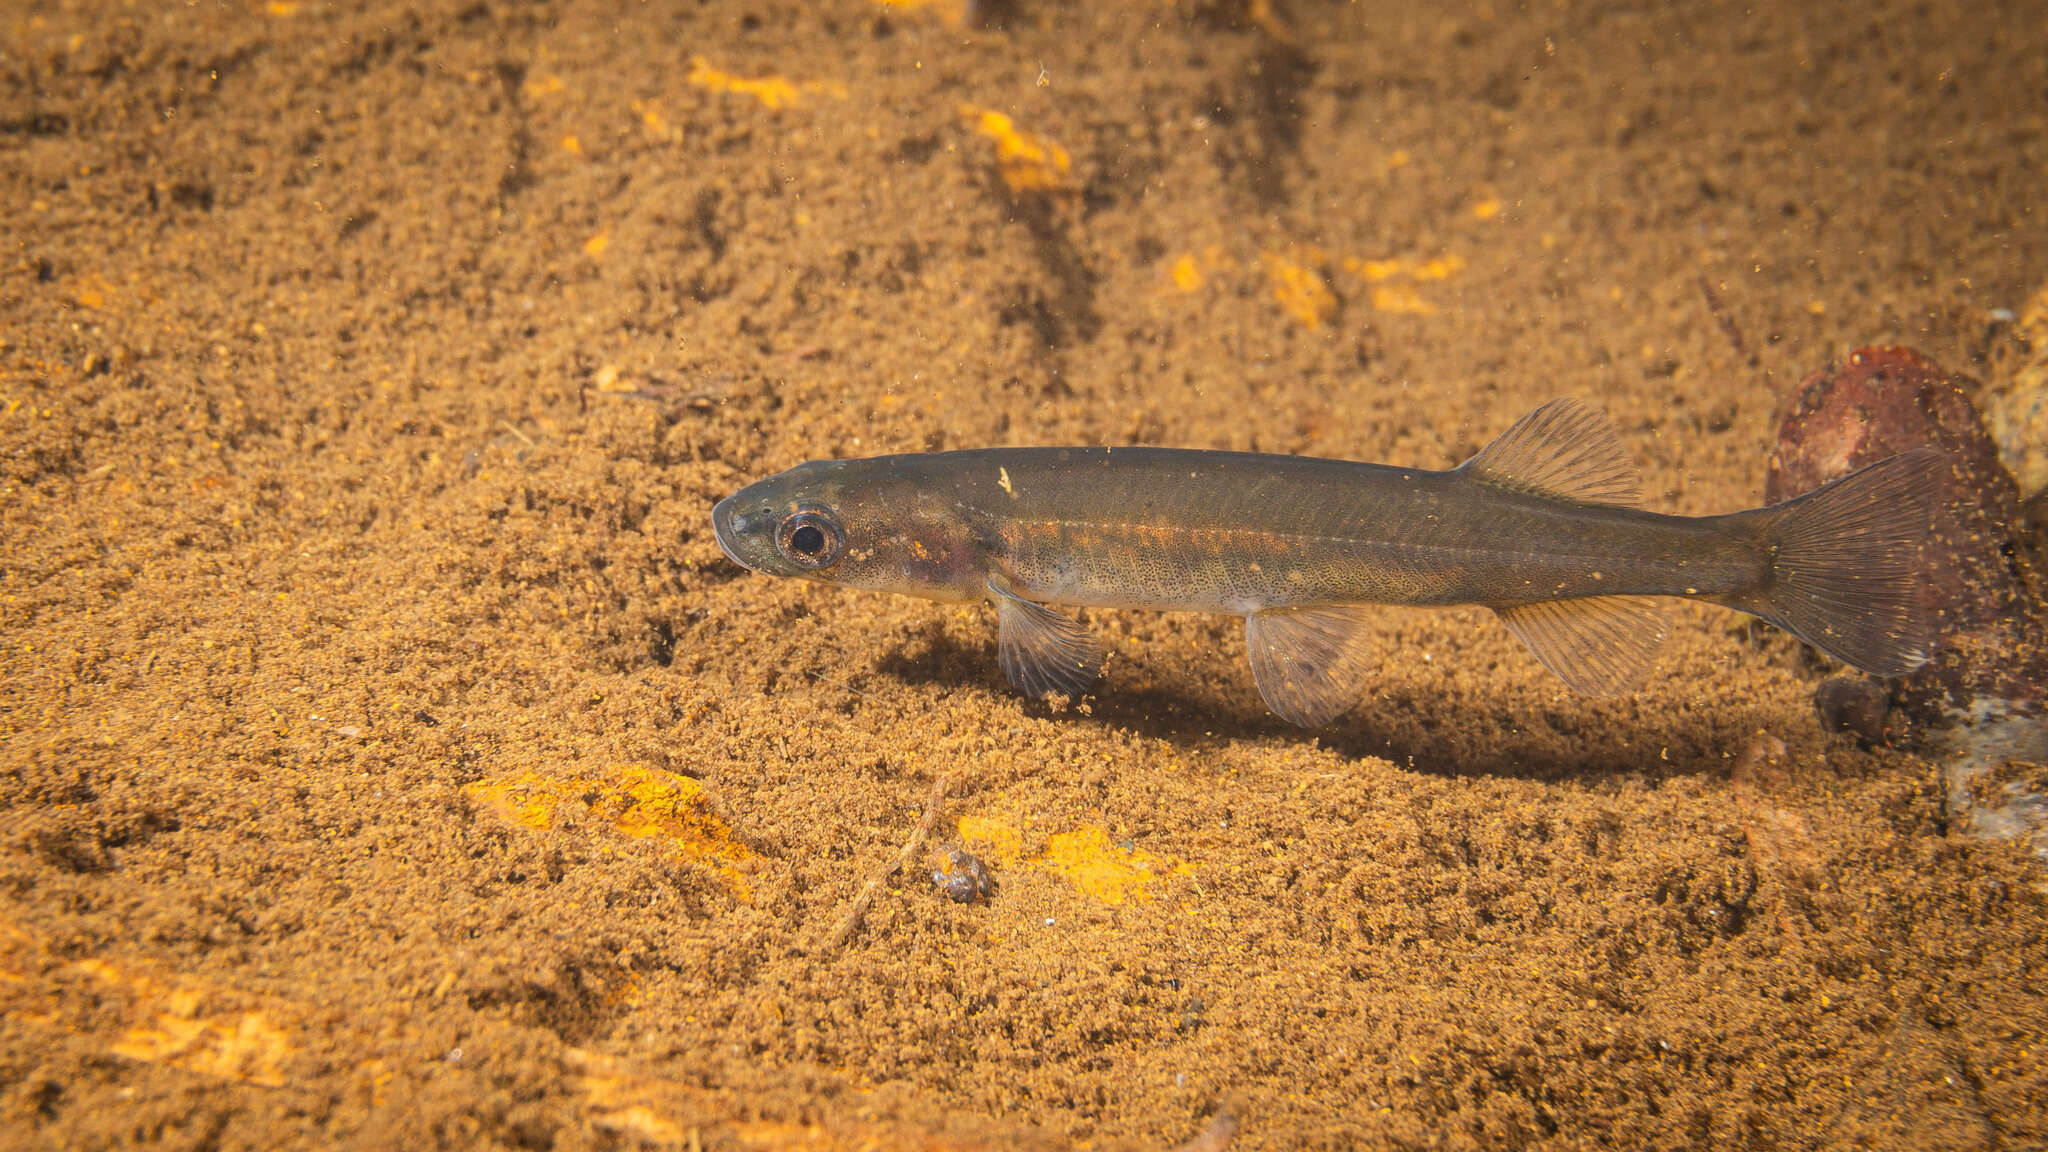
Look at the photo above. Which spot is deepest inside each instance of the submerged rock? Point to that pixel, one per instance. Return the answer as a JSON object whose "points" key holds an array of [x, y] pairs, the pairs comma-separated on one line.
{"points": [[2016, 410], [1978, 706], [1859, 705]]}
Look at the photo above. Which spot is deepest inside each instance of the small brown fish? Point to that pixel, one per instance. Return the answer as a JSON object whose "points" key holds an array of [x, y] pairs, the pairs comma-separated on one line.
{"points": [[1540, 526]]}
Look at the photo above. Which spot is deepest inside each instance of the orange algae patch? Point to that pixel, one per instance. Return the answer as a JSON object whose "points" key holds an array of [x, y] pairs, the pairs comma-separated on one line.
{"points": [[650, 116], [1110, 873], [638, 802], [247, 1048], [619, 1102], [649, 1108], [1373, 271], [1393, 282], [993, 837], [1400, 299], [1027, 161], [1299, 287], [91, 291], [772, 91], [243, 1046], [185, 1023], [1192, 270], [1084, 857], [1437, 268], [954, 13]]}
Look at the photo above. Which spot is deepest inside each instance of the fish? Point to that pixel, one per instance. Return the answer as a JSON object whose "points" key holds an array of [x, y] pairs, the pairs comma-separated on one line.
{"points": [[1543, 526]]}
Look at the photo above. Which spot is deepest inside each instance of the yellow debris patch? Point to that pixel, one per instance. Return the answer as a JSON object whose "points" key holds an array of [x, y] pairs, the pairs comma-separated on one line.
{"points": [[231, 1046], [1437, 268], [1110, 873], [650, 116], [1404, 268], [597, 243], [847, 1136], [546, 84], [1400, 300], [993, 838], [1192, 270], [1373, 271], [953, 12], [245, 1048], [154, 1018], [1260, 13], [1299, 288], [1027, 161], [638, 802], [772, 91], [1084, 857], [651, 1109], [1486, 208], [91, 291], [619, 1102], [1393, 281]]}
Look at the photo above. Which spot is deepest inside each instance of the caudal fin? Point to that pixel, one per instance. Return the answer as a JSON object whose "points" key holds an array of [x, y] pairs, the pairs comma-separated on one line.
{"points": [[1846, 565]]}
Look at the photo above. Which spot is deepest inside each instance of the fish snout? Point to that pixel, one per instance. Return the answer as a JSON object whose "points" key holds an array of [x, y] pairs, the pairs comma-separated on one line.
{"points": [[727, 532]]}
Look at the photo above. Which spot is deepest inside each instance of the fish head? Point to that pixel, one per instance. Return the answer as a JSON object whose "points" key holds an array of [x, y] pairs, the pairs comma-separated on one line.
{"points": [[862, 523]]}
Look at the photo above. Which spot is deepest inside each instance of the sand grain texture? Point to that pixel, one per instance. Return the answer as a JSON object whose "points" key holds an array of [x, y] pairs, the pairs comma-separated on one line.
{"points": [[389, 758]]}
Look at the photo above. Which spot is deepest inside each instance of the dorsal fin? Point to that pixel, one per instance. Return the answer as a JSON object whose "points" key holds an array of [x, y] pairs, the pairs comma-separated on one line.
{"points": [[1564, 449]]}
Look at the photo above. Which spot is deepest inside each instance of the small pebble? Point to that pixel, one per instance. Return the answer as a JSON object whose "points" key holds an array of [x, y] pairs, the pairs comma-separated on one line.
{"points": [[965, 878], [1857, 705]]}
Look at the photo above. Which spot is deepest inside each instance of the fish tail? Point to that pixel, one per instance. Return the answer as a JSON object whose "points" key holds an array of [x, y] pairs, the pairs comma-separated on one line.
{"points": [[1846, 566]]}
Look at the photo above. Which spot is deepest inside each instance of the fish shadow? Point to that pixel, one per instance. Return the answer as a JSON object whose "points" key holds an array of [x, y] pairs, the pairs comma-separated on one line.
{"points": [[1516, 736]]}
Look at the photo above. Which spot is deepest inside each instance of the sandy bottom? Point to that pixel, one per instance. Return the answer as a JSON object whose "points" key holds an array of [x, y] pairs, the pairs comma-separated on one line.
{"points": [[389, 758]]}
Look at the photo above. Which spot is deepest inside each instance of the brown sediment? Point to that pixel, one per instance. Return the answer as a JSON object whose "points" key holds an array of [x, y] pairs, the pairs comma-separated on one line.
{"points": [[389, 758]]}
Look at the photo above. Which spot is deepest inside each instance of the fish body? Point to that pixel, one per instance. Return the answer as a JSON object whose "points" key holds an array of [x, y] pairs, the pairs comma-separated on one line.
{"points": [[1539, 526]]}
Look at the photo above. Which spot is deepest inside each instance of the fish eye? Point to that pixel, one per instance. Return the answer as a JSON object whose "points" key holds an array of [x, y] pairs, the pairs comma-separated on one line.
{"points": [[810, 539]]}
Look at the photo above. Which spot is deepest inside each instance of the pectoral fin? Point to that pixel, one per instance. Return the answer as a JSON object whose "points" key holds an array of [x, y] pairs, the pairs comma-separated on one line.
{"points": [[1600, 645], [1042, 651], [1310, 663]]}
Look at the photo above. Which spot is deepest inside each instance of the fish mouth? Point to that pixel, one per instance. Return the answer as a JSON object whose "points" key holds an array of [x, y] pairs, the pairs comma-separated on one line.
{"points": [[721, 526]]}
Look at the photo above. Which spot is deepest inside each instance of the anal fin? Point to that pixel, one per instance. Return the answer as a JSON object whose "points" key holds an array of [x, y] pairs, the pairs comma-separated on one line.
{"points": [[1310, 663], [1042, 651], [1599, 645]]}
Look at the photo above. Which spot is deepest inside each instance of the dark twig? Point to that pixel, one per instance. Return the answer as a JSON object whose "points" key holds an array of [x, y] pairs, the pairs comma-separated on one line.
{"points": [[1727, 323], [851, 921]]}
